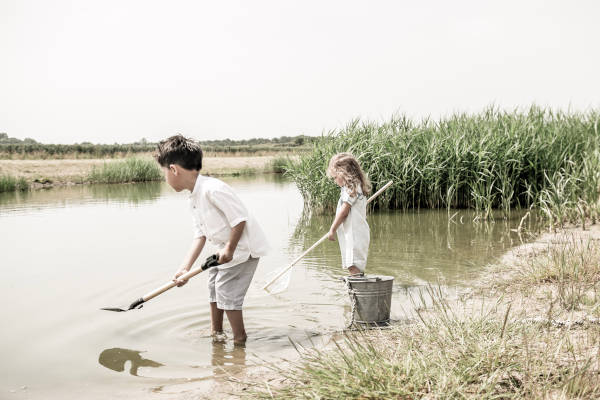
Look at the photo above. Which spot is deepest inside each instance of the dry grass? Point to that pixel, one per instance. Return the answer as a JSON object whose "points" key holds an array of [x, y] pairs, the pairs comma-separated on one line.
{"points": [[494, 342]]}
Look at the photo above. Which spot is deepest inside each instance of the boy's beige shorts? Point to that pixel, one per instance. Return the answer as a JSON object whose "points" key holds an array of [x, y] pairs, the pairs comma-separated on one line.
{"points": [[228, 287]]}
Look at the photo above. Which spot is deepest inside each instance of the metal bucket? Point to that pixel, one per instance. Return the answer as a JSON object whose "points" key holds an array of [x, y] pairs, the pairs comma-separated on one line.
{"points": [[371, 298]]}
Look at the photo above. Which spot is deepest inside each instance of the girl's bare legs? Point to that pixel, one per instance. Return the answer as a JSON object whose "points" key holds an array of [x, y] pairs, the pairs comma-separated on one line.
{"points": [[353, 270]]}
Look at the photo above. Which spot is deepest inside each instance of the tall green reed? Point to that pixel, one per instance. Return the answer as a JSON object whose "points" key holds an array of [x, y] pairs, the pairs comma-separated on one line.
{"points": [[492, 160]]}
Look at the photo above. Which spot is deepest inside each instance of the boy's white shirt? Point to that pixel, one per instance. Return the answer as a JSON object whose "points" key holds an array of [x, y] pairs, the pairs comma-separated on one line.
{"points": [[215, 210]]}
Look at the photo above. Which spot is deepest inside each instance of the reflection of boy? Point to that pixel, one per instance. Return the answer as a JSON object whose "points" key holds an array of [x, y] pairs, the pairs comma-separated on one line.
{"points": [[116, 358], [219, 216]]}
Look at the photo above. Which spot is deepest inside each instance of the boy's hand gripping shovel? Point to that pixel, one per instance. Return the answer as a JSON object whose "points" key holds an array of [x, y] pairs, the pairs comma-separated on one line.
{"points": [[210, 262]]}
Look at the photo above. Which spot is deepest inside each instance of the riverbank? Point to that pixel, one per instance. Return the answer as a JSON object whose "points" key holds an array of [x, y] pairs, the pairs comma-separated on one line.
{"points": [[48, 173], [527, 328]]}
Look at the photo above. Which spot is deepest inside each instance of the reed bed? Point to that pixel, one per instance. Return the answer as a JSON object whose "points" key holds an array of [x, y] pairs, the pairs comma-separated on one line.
{"points": [[129, 170], [538, 158], [10, 183]]}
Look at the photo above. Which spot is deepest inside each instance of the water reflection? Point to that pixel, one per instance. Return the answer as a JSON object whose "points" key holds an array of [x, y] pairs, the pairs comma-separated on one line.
{"points": [[124, 253], [226, 354], [130, 193], [414, 247], [116, 358], [67, 196]]}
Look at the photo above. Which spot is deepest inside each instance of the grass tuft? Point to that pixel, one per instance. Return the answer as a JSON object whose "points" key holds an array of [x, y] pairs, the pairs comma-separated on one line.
{"points": [[279, 165], [573, 269], [129, 170], [10, 184]]}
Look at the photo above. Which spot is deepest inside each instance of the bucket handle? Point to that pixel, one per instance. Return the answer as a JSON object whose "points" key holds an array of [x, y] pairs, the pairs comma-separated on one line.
{"points": [[349, 279]]}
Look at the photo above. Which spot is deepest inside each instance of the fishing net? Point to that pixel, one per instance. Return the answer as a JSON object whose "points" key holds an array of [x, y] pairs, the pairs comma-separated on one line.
{"points": [[281, 284]]}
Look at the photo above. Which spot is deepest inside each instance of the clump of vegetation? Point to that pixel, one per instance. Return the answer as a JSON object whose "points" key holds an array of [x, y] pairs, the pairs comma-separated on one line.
{"points": [[572, 269], [279, 165], [10, 183], [538, 158], [448, 354], [129, 170]]}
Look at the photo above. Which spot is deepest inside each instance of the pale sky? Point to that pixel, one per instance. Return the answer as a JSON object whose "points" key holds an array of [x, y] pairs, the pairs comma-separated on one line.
{"points": [[110, 71]]}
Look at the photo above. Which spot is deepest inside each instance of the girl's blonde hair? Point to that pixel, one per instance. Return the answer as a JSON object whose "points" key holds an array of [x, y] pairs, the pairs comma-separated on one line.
{"points": [[347, 166]]}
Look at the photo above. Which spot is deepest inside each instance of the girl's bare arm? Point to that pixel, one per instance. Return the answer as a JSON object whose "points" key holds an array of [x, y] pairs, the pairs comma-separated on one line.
{"points": [[339, 218]]}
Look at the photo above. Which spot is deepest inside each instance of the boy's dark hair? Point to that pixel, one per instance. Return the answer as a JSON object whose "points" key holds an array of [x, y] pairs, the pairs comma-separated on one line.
{"points": [[181, 151]]}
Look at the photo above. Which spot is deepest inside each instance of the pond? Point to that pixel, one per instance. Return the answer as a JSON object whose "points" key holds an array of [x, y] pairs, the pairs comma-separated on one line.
{"points": [[66, 252]]}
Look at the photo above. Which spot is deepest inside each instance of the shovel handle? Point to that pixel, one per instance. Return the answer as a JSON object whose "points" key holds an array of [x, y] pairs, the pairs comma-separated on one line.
{"points": [[210, 262]]}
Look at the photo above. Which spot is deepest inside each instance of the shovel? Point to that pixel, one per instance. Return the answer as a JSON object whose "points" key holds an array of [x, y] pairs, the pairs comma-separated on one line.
{"points": [[210, 262]]}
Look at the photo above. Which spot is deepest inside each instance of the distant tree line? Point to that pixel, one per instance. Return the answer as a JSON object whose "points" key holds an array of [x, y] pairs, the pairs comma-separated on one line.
{"points": [[282, 140], [10, 147], [4, 139]]}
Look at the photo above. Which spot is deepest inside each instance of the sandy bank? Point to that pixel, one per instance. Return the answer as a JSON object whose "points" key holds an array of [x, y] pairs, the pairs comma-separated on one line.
{"points": [[65, 172]]}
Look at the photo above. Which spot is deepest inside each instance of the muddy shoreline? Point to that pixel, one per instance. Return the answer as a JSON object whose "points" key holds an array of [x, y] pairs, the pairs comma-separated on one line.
{"points": [[502, 286]]}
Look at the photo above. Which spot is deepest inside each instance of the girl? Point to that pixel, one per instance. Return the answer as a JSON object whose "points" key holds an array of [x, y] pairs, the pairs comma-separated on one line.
{"points": [[350, 216]]}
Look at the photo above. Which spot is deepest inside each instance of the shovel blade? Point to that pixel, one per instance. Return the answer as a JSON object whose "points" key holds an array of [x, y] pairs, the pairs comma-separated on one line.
{"points": [[113, 309], [139, 303]]}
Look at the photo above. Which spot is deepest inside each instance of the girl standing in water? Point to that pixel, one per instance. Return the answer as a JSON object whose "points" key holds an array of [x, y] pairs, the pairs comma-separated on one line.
{"points": [[350, 221]]}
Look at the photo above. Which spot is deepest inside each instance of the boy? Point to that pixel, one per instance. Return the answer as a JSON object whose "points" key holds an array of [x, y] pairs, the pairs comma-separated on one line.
{"points": [[219, 217]]}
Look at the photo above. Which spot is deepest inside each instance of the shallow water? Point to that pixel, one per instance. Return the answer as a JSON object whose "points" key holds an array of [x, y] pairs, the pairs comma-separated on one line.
{"points": [[67, 252]]}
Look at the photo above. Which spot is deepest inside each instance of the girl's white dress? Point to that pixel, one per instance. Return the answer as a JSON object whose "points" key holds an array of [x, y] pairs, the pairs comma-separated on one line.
{"points": [[353, 234]]}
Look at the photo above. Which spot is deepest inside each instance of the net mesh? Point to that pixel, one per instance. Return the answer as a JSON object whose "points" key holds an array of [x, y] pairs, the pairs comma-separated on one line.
{"points": [[281, 284]]}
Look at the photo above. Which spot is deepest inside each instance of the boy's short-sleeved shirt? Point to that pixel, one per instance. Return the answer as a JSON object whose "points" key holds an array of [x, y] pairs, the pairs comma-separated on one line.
{"points": [[215, 210]]}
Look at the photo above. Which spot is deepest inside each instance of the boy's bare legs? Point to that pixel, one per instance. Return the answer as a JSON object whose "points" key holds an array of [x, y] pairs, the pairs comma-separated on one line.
{"points": [[236, 320], [216, 319]]}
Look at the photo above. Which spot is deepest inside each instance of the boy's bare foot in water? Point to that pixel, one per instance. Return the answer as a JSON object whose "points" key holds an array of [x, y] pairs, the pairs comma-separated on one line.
{"points": [[240, 341], [218, 337]]}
